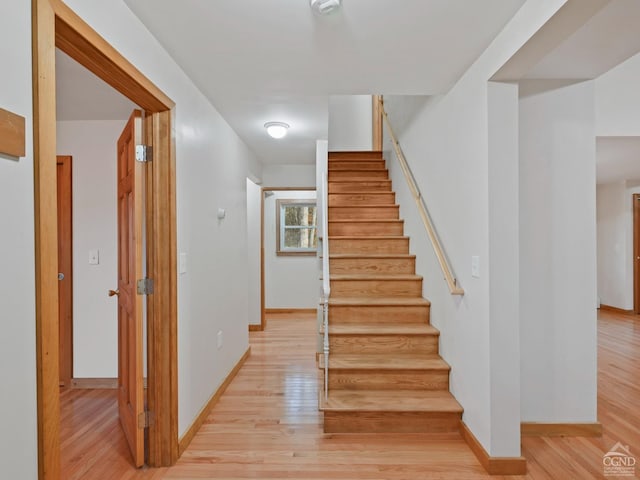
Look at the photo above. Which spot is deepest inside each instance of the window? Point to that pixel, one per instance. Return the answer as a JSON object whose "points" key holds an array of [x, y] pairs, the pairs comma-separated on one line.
{"points": [[296, 227]]}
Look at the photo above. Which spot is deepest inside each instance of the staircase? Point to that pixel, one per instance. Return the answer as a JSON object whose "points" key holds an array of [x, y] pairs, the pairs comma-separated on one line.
{"points": [[385, 373]]}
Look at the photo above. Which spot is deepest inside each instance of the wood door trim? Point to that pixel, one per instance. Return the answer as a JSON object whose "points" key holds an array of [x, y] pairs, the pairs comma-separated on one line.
{"points": [[55, 24], [377, 123], [263, 317], [66, 325], [636, 252]]}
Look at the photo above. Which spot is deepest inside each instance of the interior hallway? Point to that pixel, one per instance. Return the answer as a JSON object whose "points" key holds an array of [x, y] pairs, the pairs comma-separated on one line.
{"points": [[267, 425]]}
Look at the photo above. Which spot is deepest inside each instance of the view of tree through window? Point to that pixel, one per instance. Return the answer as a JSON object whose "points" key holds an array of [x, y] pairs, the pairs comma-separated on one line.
{"points": [[297, 226]]}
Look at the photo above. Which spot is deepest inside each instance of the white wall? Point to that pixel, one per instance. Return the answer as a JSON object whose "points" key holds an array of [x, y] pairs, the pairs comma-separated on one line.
{"points": [[558, 255], [289, 175], [93, 146], [212, 165], [18, 444], [254, 193], [618, 100], [504, 266], [448, 144], [350, 122], [615, 243], [290, 281]]}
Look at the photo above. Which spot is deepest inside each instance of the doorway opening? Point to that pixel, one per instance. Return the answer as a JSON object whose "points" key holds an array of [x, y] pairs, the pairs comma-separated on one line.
{"points": [[55, 25], [288, 279]]}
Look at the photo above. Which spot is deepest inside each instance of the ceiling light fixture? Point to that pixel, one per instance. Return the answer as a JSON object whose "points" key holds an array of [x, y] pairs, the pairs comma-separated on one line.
{"points": [[325, 7], [276, 129]]}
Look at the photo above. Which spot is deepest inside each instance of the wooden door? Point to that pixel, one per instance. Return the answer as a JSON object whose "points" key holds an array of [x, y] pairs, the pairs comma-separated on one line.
{"points": [[65, 269], [130, 208]]}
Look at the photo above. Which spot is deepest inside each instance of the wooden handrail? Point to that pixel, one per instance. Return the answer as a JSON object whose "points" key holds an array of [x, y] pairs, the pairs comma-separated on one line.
{"points": [[452, 283]]}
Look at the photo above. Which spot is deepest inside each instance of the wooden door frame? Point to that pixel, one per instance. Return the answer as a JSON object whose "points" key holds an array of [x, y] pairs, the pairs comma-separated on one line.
{"points": [[636, 252], [56, 25], [66, 375], [376, 123], [263, 316]]}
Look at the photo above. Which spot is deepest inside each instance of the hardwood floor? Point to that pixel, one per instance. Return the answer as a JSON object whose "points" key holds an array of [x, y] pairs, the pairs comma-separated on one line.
{"points": [[267, 424], [92, 443]]}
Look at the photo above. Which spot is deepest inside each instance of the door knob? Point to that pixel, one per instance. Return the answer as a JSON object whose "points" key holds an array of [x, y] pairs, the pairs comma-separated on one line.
{"points": [[60, 276], [114, 292]]}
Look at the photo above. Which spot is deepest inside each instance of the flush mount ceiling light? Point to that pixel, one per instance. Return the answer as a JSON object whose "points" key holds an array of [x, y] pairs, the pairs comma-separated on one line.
{"points": [[325, 7], [276, 129]]}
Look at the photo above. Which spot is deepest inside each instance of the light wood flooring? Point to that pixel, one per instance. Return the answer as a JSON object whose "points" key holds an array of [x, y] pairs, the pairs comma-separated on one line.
{"points": [[267, 424]]}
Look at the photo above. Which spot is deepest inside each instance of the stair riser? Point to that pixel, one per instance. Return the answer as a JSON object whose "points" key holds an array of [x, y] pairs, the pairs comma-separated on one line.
{"points": [[354, 156], [388, 380], [372, 265], [357, 174], [390, 212], [369, 245], [340, 315], [356, 165], [368, 186], [370, 228], [383, 343], [376, 288], [352, 199], [391, 422]]}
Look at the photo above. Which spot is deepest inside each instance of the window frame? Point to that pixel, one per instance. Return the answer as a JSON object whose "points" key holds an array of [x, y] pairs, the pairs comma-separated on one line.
{"points": [[281, 204]]}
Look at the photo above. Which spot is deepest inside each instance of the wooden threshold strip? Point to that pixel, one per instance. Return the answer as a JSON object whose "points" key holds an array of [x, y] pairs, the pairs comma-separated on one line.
{"points": [[94, 383], [186, 439], [493, 465]]}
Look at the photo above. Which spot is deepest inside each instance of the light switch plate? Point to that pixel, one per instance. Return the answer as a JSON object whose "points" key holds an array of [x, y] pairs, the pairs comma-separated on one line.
{"points": [[219, 339], [475, 266], [94, 257], [182, 267]]}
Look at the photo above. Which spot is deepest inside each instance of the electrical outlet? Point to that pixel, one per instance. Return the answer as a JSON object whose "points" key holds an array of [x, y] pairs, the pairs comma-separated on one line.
{"points": [[219, 339]]}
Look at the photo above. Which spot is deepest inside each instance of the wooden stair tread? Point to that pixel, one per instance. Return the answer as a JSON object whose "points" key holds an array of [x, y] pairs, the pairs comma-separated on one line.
{"points": [[374, 276], [357, 168], [383, 329], [373, 255], [366, 220], [358, 179], [378, 301], [390, 401], [384, 361], [367, 237], [362, 192], [369, 205]]}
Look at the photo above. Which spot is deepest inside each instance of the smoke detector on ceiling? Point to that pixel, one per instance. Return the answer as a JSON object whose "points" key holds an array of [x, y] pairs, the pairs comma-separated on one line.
{"points": [[325, 7]]}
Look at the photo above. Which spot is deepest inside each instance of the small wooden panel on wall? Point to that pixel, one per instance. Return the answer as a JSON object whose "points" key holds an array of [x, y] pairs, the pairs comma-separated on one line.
{"points": [[12, 138]]}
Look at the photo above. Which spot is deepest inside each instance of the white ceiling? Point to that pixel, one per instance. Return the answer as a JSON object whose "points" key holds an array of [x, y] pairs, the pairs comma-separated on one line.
{"points": [[606, 40], [80, 95], [259, 60], [250, 83]]}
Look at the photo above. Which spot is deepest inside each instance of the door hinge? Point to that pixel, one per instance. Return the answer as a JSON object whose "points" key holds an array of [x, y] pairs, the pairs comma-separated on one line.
{"points": [[144, 153], [145, 286], [146, 419]]}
